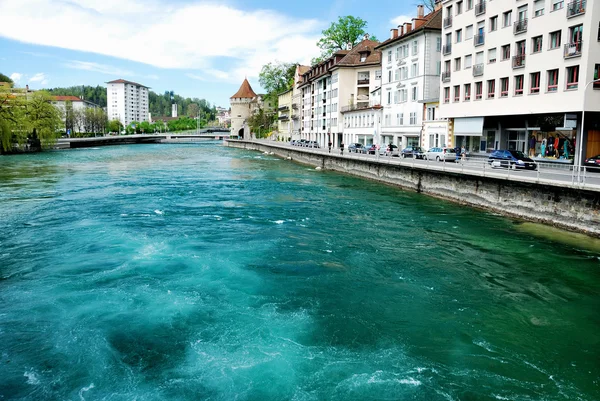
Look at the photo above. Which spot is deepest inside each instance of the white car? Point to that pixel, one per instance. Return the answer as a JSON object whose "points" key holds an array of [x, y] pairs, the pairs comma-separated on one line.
{"points": [[441, 154], [385, 151]]}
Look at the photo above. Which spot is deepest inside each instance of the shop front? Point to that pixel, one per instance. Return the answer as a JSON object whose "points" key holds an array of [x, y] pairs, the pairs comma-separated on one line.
{"points": [[469, 133], [435, 134]]}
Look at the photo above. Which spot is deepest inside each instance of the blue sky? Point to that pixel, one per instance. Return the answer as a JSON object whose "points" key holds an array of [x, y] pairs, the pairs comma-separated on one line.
{"points": [[196, 48]]}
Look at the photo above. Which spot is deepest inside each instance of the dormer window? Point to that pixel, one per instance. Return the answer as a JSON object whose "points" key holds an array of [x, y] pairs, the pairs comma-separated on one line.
{"points": [[363, 56]]}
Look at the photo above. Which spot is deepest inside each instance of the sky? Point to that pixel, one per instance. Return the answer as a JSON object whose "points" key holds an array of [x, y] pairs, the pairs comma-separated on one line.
{"points": [[195, 48]]}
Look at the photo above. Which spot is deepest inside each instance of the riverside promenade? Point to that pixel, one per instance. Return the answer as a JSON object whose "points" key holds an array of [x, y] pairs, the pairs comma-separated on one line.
{"points": [[552, 195]]}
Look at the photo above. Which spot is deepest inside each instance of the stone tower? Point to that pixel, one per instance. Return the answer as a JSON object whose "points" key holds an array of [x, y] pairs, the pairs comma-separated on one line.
{"points": [[241, 109]]}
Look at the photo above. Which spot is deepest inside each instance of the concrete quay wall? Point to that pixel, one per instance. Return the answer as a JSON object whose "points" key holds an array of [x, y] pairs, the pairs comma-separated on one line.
{"points": [[559, 206]]}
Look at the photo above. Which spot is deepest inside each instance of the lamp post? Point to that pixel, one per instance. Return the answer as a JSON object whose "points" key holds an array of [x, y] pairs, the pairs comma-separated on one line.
{"points": [[580, 163]]}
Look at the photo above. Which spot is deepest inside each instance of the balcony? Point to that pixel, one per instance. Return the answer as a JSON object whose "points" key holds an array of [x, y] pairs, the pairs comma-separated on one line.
{"points": [[520, 26], [295, 106], [447, 49], [363, 81], [447, 22], [573, 49], [575, 8], [358, 106], [480, 8], [284, 117], [518, 61], [283, 108], [446, 76], [479, 40], [478, 70]]}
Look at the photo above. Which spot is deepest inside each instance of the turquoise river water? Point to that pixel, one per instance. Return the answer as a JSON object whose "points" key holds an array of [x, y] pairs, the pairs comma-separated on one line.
{"points": [[200, 272]]}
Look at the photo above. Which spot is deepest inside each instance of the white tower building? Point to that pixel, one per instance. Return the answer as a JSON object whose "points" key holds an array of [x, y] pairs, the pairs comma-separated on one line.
{"points": [[127, 101]]}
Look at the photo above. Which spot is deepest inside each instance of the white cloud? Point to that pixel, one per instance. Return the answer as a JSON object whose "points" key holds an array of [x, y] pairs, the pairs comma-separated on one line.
{"points": [[16, 77], [401, 19], [96, 67], [183, 36], [39, 77]]}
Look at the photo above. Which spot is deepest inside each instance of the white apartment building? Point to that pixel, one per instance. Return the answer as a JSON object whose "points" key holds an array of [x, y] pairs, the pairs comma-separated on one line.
{"points": [[127, 101], [411, 77], [517, 71], [363, 124], [345, 80]]}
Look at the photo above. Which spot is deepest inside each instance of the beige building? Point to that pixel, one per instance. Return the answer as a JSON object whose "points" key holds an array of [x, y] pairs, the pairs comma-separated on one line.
{"points": [[284, 118]]}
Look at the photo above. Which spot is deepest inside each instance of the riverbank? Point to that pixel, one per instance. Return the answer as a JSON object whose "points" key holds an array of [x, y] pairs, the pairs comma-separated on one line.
{"points": [[562, 205]]}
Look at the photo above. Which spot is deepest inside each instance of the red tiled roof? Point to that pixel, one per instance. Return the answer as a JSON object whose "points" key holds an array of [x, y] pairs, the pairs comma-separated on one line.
{"points": [[123, 81], [245, 91], [66, 98], [433, 20], [366, 46]]}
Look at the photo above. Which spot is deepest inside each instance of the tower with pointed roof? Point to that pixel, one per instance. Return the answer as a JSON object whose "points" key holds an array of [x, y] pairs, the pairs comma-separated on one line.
{"points": [[242, 108]]}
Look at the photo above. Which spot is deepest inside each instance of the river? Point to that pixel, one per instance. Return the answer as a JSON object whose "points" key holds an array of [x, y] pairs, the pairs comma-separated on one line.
{"points": [[199, 272]]}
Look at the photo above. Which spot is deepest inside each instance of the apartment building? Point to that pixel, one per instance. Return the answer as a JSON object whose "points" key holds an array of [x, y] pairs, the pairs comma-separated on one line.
{"points": [[411, 62], [127, 101], [345, 80], [363, 124], [516, 74], [284, 118]]}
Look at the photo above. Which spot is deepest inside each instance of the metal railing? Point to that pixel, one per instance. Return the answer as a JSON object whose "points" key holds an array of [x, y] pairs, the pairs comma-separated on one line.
{"points": [[363, 81], [521, 26], [447, 22], [446, 76], [478, 70], [573, 49], [356, 106], [480, 8], [479, 40], [576, 8], [518, 61], [447, 49]]}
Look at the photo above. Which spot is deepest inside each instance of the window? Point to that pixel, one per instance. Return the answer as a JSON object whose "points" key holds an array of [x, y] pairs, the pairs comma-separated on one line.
{"points": [[415, 93], [401, 119], [575, 34], [457, 93], [459, 6], [413, 118], [457, 64], [414, 70], [522, 13], [447, 95], [536, 44], [430, 113], [396, 97], [389, 98], [505, 52], [377, 76], [507, 19], [405, 50], [519, 81], [438, 68], [467, 92], [390, 76], [397, 75], [552, 80], [492, 55], [491, 88], [468, 61], [415, 47], [572, 77], [363, 57], [504, 87], [469, 32], [538, 8], [534, 78], [478, 90], [557, 4], [397, 53], [596, 85], [389, 56], [493, 23], [458, 35], [438, 45], [469, 4]]}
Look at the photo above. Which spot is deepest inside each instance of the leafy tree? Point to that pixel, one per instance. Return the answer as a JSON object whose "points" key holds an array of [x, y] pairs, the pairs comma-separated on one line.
{"points": [[4, 78], [115, 126], [261, 122], [346, 30], [193, 110], [41, 120], [69, 117], [276, 78]]}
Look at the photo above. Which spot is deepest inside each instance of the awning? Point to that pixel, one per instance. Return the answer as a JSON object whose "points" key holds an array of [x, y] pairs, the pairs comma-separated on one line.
{"points": [[469, 126]]}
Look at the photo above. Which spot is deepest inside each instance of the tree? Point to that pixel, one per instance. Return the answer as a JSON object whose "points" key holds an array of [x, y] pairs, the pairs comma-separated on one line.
{"points": [[4, 78], [193, 110], [429, 4], [69, 116], [261, 122], [347, 30], [115, 126], [41, 120]]}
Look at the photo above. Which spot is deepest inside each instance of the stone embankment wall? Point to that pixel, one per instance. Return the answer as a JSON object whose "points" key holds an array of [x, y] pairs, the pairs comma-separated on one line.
{"points": [[568, 208]]}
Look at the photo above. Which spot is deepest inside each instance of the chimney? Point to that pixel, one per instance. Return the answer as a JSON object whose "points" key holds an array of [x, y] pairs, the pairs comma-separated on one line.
{"points": [[438, 5], [407, 27], [400, 30], [420, 11], [349, 46], [393, 33], [27, 88]]}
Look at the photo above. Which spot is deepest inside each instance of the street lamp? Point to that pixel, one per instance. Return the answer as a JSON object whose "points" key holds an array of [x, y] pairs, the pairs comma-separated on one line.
{"points": [[583, 130]]}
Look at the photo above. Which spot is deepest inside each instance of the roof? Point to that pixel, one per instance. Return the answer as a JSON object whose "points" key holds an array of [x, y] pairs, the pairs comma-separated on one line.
{"points": [[66, 99], [353, 58], [245, 91], [123, 81], [433, 21], [302, 69]]}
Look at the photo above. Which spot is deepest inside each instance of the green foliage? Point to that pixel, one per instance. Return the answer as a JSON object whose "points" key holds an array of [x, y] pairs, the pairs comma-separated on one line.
{"points": [[276, 78], [115, 126], [193, 110], [261, 122], [346, 30], [96, 95], [4, 78], [185, 124]]}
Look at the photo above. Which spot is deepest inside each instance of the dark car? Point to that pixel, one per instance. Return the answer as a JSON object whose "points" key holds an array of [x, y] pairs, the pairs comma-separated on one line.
{"points": [[413, 151], [371, 149], [514, 159], [355, 147], [592, 163]]}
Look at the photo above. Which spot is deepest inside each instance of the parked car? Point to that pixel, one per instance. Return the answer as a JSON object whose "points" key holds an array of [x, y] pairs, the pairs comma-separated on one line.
{"points": [[441, 154], [355, 147], [293, 142], [312, 144], [387, 151], [593, 162], [372, 149], [301, 142], [511, 159], [413, 151]]}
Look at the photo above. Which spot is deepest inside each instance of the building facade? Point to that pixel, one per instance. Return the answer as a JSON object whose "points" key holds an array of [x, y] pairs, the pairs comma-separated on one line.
{"points": [[76, 105], [411, 60], [284, 117], [515, 75], [343, 81], [127, 101]]}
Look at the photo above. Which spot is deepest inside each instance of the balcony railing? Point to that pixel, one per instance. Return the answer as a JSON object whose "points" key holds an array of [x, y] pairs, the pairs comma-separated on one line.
{"points": [[518, 61], [284, 117], [446, 76], [447, 49], [479, 40], [447, 22], [356, 106], [478, 70], [575, 8], [573, 49], [364, 81], [295, 106], [284, 107], [520, 26], [480, 8]]}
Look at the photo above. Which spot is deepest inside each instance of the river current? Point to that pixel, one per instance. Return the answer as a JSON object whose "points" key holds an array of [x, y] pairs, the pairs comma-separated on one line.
{"points": [[200, 272]]}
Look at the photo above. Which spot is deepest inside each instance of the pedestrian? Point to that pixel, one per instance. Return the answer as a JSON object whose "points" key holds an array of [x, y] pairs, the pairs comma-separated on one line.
{"points": [[463, 153], [329, 147], [532, 143], [342, 148]]}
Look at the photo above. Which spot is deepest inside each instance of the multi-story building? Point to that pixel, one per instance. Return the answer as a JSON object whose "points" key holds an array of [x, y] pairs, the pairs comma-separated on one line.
{"points": [[284, 118], [297, 102], [346, 79], [127, 101], [411, 77], [515, 74], [72, 104], [363, 124]]}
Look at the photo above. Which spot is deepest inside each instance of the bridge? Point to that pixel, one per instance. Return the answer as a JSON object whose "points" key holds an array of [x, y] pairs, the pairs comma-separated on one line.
{"points": [[194, 136]]}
